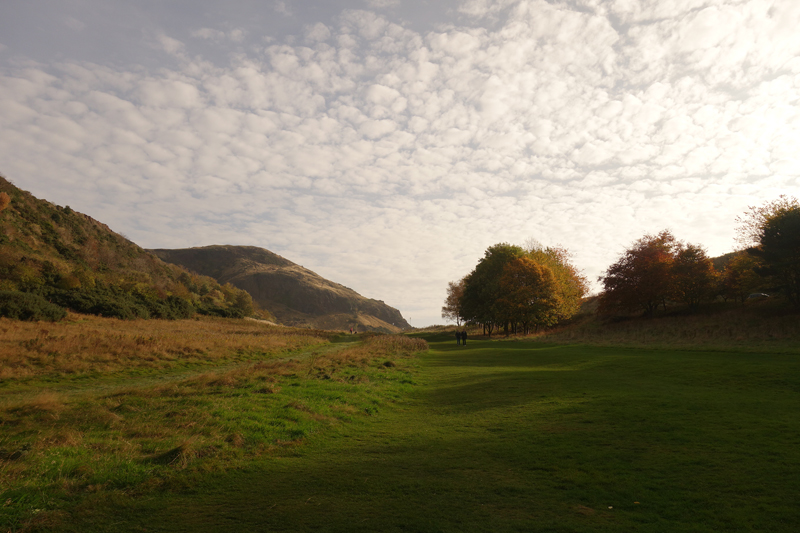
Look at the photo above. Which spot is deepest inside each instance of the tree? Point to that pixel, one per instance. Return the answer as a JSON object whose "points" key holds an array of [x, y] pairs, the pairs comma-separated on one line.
{"points": [[530, 294], [570, 285], [774, 230], [452, 304], [5, 199], [641, 278], [739, 278], [693, 274], [481, 301]]}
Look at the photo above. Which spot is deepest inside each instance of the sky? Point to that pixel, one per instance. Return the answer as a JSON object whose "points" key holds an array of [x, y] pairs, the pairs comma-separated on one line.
{"points": [[386, 144]]}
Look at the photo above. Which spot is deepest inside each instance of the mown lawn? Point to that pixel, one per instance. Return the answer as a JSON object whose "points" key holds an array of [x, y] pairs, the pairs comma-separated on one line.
{"points": [[517, 436]]}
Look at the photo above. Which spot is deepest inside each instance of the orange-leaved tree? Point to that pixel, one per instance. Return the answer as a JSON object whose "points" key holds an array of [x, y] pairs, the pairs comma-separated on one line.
{"points": [[481, 303], [642, 277], [529, 293], [571, 285]]}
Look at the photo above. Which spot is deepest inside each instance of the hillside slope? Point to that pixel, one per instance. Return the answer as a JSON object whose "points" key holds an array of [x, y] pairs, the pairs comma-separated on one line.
{"points": [[77, 262], [296, 295]]}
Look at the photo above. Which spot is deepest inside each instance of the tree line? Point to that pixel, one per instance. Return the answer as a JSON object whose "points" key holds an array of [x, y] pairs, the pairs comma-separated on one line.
{"points": [[523, 289]]}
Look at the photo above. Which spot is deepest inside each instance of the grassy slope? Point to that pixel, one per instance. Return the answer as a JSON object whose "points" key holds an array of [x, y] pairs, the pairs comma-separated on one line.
{"points": [[756, 326], [525, 437], [45, 248]]}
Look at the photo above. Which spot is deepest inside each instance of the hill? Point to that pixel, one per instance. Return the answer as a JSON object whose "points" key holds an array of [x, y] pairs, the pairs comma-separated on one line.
{"points": [[297, 296], [72, 260]]}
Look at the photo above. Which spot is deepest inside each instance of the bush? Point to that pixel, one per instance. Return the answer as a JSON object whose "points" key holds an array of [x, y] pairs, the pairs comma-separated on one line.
{"points": [[103, 302], [116, 303], [26, 306], [172, 308], [225, 312]]}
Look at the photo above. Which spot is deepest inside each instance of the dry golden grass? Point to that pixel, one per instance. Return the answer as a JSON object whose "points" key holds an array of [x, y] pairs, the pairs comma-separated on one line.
{"points": [[372, 348], [88, 344], [752, 327]]}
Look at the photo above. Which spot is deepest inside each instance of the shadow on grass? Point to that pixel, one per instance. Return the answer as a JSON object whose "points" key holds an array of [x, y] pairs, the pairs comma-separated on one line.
{"points": [[561, 439]]}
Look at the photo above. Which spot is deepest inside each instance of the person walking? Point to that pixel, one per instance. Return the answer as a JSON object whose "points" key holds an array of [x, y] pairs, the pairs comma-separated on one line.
{"points": [[458, 337], [464, 337]]}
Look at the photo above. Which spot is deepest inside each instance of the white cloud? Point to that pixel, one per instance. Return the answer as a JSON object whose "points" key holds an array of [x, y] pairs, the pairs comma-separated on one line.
{"points": [[208, 33], [74, 24], [319, 32], [280, 7], [382, 4]]}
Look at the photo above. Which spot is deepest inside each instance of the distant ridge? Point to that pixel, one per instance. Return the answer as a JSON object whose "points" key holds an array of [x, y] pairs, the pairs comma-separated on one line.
{"points": [[295, 295]]}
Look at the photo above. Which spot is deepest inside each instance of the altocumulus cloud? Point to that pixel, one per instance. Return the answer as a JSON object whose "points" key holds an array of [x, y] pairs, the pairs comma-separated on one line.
{"points": [[388, 159]]}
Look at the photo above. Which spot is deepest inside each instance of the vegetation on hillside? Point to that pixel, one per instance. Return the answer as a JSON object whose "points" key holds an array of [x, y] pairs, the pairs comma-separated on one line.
{"points": [[72, 261], [659, 270], [773, 233]]}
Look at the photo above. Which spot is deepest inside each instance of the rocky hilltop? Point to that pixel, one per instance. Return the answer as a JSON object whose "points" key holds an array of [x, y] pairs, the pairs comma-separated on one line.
{"points": [[295, 295]]}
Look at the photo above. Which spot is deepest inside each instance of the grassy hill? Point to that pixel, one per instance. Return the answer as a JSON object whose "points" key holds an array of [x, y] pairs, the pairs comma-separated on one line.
{"points": [[297, 296], [67, 258], [755, 325]]}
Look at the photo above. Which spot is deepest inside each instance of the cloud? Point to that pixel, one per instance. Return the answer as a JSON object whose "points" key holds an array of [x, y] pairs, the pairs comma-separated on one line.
{"points": [[74, 24], [280, 7], [389, 160], [317, 33], [382, 4], [236, 35]]}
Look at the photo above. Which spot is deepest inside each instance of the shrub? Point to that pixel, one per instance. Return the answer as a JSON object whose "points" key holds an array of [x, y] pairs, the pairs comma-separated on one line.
{"points": [[26, 306], [172, 308], [216, 310], [104, 302], [5, 199]]}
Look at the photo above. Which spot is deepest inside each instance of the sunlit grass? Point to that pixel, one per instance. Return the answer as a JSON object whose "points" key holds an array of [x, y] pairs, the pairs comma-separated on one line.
{"points": [[756, 326], [92, 345], [135, 434]]}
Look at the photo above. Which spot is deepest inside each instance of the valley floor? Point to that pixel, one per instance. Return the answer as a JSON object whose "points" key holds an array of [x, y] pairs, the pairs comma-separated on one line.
{"points": [[520, 436]]}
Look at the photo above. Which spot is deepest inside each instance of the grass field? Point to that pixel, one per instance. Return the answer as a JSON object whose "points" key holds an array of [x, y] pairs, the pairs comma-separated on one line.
{"points": [[93, 409], [516, 436]]}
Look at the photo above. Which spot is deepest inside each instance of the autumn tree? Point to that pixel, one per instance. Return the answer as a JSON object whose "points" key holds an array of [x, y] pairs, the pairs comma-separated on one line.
{"points": [[452, 303], [740, 278], [693, 274], [641, 278], [570, 285], [529, 293], [5, 200], [513, 286], [482, 291], [773, 231]]}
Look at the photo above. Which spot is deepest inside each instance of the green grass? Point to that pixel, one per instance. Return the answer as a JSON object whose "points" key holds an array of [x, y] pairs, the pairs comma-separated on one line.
{"points": [[514, 436], [112, 437]]}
